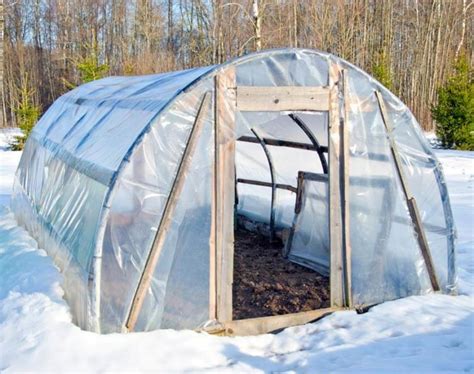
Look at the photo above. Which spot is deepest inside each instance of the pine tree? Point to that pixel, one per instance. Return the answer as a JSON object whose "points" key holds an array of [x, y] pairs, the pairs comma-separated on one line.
{"points": [[454, 113], [91, 69], [27, 114], [381, 70]]}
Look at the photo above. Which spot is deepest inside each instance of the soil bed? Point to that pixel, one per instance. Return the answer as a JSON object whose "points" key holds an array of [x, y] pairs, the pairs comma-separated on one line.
{"points": [[266, 284]]}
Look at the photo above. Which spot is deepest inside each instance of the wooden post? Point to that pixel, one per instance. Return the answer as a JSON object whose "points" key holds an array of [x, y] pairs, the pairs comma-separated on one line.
{"points": [[168, 213], [336, 229], [345, 194], [224, 190], [411, 202]]}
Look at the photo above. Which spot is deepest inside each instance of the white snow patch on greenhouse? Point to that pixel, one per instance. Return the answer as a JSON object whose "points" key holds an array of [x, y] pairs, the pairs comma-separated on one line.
{"points": [[416, 334]]}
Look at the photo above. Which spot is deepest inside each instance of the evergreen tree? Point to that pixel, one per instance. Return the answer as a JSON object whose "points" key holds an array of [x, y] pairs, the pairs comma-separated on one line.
{"points": [[27, 114], [90, 68], [381, 70], [454, 113]]}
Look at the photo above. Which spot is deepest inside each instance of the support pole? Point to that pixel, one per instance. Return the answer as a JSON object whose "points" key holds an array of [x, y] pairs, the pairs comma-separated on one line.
{"points": [[336, 180], [272, 177], [345, 194], [168, 213], [410, 199], [225, 101], [313, 140]]}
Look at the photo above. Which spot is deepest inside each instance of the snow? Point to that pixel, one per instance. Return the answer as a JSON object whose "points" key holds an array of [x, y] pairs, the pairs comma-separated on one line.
{"points": [[417, 334], [8, 163]]}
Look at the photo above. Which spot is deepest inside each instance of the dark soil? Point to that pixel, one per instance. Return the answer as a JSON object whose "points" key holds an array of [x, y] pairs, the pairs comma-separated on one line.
{"points": [[266, 284]]}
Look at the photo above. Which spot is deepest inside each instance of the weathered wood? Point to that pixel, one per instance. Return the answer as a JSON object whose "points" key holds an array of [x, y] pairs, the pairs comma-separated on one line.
{"points": [[265, 99], [335, 200], [280, 186], [283, 143], [168, 213], [309, 176], [273, 185], [345, 194], [262, 325], [299, 194], [212, 240], [225, 189], [411, 202]]}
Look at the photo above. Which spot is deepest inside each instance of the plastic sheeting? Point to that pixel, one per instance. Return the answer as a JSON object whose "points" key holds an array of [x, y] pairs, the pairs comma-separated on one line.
{"points": [[310, 241], [99, 166]]}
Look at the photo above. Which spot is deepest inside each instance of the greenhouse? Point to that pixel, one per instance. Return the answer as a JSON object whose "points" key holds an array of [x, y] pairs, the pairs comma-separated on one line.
{"points": [[208, 198]]}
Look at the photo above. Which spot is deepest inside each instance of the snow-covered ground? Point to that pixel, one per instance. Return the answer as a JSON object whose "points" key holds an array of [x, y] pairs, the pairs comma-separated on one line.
{"points": [[417, 334], [8, 163]]}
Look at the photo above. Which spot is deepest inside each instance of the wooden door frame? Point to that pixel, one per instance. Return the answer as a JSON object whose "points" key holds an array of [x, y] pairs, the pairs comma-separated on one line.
{"points": [[229, 98]]}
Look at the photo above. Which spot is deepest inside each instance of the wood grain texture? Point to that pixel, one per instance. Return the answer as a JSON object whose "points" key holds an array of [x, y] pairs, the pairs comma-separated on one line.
{"points": [[225, 190], [262, 325], [335, 198], [257, 99]]}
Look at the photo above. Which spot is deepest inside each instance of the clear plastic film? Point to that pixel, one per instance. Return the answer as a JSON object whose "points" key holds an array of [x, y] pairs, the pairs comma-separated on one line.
{"points": [[98, 169], [139, 198], [310, 241]]}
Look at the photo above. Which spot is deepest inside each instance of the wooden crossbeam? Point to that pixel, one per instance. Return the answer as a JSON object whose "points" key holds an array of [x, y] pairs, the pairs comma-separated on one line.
{"points": [[286, 98]]}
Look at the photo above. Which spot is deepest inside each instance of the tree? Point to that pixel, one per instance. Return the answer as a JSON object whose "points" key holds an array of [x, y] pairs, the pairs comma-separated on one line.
{"points": [[90, 69], [381, 70], [27, 114], [454, 112]]}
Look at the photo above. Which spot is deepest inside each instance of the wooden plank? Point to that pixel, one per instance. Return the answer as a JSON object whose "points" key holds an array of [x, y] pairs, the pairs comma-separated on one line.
{"points": [[411, 202], [283, 143], [257, 99], [262, 325], [168, 213], [225, 190], [335, 200], [212, 239], [345, 194], [299, 195], [309, 176]]}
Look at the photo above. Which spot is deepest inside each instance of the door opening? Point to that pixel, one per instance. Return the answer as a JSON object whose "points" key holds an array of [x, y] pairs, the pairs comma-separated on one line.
{"points": [[276, 197]]}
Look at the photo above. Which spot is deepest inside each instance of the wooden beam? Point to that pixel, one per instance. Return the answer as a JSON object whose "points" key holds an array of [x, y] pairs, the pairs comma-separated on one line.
{"points": [[345, 194], [335, 199], [267, 99], [299, 195], [309, 176], [410, 199], [225, 190], [263, 325], [168, 213]]}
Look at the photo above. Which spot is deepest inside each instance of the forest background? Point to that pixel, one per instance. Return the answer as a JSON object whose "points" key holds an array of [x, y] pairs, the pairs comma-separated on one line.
{"points": [[419, 49]]}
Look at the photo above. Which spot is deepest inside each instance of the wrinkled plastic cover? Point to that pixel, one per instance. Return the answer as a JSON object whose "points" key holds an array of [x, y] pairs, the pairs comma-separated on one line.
{"points": [[98, 169]]}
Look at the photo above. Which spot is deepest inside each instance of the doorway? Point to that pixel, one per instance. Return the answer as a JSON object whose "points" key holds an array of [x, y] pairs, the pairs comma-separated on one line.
{"points": [[275, 237]]}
